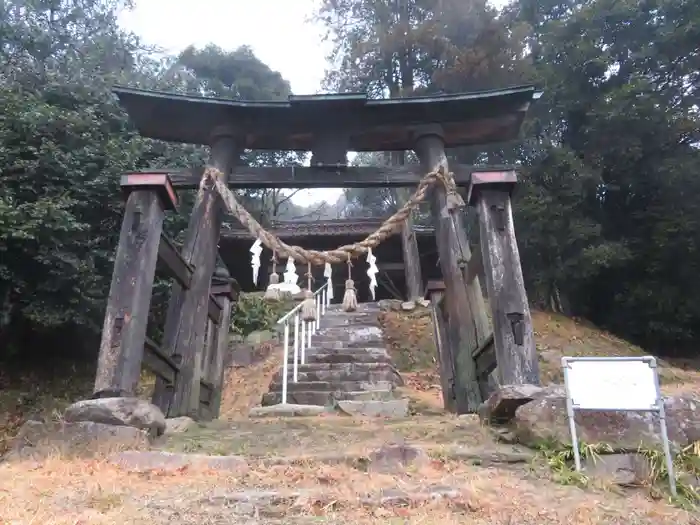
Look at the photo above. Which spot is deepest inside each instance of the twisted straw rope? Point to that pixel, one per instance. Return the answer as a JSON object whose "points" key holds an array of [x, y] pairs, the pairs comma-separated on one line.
{"points": [[389, 227]]}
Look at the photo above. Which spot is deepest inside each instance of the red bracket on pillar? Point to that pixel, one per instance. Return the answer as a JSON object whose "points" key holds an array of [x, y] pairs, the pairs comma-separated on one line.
{"points": [[160, 182], [498, 179]]}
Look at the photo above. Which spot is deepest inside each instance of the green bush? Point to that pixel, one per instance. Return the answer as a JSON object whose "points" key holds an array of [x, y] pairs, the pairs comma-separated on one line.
{"points": [[251, 313]]}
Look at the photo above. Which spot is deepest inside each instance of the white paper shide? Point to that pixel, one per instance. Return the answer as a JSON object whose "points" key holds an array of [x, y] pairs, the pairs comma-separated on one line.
{"points": [[372, 272], [255, 251]]}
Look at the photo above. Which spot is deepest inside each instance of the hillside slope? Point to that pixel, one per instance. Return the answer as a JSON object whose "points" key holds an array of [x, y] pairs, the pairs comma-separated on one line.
{"points": [[410, 338]]}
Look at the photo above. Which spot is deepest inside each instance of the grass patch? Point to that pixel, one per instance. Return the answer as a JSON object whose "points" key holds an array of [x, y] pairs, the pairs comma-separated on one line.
{"points": [[559, 458]]}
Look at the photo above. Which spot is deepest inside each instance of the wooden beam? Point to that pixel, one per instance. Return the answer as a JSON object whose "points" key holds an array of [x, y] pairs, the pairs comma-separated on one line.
{"points": [[341, 267], [219, 349], [188, 308], [128, 303], [430, 149], [172, 264], [434, 286], [159, 363], [321, 177], [444, 349], [474, 267], [514, 340], [485, 360], [158, 182], [206, 391]]}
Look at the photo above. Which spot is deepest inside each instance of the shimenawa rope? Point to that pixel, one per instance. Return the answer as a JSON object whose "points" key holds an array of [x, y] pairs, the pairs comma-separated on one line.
{"points": [[388, 228]]}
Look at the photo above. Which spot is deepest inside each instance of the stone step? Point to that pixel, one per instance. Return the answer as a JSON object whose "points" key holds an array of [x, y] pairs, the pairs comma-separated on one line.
{"points": [[341, 348], [332, 386], [336, 344], [356, 333], [333, 321], [374, 408], [329, 355], [344, 372], [325, 398]]}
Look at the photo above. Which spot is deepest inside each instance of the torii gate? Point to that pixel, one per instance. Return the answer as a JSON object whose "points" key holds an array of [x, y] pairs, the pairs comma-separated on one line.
{"points": [[189, 371]]}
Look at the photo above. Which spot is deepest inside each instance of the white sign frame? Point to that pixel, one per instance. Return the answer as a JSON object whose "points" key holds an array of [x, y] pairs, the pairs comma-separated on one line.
{"points": [[655, 405]]}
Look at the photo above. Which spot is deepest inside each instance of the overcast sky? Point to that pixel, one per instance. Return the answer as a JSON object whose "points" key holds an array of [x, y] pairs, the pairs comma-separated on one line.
{"points": [[280, 33]]}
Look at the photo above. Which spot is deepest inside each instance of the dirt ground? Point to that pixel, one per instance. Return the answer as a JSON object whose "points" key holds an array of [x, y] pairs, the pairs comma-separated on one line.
{"points": [[290, 480], [70, 492]]}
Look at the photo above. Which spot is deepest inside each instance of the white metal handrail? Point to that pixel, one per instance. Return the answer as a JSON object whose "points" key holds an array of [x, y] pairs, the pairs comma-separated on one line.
{"points": [[303, 330]]}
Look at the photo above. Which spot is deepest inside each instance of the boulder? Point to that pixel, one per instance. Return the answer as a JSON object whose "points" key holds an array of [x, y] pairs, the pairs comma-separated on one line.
{"points": [[408, 306], [178, 425], [38, 439], [145, 460], [393, 457], [389, 305], [544, 419], [126, 411], [619, 469], [501, 405]]}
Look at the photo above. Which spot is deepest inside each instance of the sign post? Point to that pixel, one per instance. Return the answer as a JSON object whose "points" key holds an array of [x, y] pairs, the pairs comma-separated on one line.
{"points": [[629, 384]]}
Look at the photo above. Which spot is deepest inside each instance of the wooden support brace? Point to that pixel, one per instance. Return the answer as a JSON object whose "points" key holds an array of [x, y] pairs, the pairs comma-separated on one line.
{"points": [[188, 308], [126, 316], [461, 332], [435, 291], [224, 290], [514, 341]]}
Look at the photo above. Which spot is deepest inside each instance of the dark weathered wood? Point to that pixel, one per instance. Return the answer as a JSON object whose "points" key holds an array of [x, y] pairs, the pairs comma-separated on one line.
{"points": [[171, 263], [206, 390], [461, 334], [409, 242], [126, 316], [485, 359], [321, 177], [158, 182], [444, 350], [340, 269], [512, 324], [214, 309], [188, 308], [502, 179], [231, 290], [158, 362], [477, 306], [372, 124], [219, 349], [412, 266], [433, 286], [474, 267]]}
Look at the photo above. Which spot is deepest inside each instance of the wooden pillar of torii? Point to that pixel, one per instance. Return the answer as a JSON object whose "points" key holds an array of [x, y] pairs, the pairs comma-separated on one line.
{"points": [[409, 243], [186, 319]]}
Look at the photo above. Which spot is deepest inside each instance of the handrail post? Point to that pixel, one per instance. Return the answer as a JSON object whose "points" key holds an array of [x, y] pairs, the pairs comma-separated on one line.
{"points": [[296, 348], [309, 327], [317, 323], [285, 364], [303, 342]]}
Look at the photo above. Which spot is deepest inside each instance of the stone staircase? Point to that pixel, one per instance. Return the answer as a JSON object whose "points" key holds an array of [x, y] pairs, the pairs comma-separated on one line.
{"points": [[347, 367]]}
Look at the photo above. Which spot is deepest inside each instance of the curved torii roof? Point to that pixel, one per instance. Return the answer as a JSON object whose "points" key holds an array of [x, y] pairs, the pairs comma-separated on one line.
{"points": [[298, 123]]}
